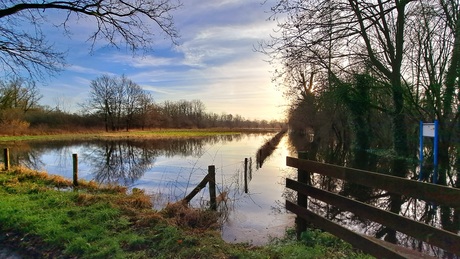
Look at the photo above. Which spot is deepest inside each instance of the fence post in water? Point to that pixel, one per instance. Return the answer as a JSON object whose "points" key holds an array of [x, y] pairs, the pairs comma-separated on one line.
{"points": [[302, 200], [75, 169], [212, 186], [245, 175], [6, 158]]}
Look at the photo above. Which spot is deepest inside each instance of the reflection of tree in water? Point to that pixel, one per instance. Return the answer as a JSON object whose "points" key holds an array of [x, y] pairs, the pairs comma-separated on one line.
{"points": [[124, 162], [28, 154], [437, 216], [112, 161], [22, 154], [118, 162]]}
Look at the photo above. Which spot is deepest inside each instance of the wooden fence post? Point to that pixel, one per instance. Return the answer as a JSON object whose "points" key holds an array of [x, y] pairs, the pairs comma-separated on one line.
{"points": [[302, 200], [245, 175], [212, 186], [75, 169], [6, 158]]}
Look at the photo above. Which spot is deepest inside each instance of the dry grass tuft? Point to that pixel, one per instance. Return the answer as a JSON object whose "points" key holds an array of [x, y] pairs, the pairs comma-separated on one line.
{"points": [[60, 181], [114, 189], [184, 216], [147, 219], [137, 200], [91, 185]]}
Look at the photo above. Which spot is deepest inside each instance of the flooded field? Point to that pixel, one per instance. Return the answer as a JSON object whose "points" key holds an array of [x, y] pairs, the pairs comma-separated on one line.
{"points": [[253, 208]]}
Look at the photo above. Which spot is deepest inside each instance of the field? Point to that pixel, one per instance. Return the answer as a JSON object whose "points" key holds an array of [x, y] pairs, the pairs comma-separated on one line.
{"points": [[168, 133]]}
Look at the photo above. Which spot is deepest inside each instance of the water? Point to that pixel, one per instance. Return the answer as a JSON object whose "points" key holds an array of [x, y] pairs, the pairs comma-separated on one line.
{"points": [[170, 169]]}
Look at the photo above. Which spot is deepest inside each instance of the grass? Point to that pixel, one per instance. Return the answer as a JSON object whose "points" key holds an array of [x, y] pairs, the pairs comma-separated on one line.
{"points": [[146, 134], [46, 217]]}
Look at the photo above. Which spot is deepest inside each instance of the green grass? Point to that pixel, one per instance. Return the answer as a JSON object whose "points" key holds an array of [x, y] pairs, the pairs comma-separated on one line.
{"points": [[168, 133], [47, 217], [314, 244]]}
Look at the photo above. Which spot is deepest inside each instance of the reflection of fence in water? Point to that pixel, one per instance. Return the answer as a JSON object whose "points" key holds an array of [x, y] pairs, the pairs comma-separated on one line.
{"points": [[332, 203]]}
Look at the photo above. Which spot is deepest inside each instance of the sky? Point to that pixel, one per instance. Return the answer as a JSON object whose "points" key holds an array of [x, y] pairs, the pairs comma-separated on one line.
{"points": [[215, 62]]}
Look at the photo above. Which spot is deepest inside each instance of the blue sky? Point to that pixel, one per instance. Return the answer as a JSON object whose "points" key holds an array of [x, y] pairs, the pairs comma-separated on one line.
{"points": [[214, 62]]}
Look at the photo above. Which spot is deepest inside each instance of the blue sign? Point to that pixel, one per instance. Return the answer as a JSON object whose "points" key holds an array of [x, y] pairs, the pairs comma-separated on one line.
{"points": [[429, 130]]}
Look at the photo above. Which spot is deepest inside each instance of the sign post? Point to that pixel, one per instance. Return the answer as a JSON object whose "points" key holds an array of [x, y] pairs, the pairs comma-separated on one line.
{"points": [[429, 130]]}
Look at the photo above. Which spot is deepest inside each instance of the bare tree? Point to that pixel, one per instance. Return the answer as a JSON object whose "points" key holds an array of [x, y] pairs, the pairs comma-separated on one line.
{"points": [[339, 38], [434, 59], [118, 100], [23, 43], [102, 99], [134, 101], [19, 94], [17, 97], [147, 111], [409, 49]]}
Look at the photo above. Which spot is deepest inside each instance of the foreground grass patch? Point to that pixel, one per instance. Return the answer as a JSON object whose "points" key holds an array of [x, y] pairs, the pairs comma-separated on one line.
{"points": [[45, 216], [90, 222]]}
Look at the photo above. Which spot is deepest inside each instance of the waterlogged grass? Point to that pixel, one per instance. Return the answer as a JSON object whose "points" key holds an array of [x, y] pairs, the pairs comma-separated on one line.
{"points": [[46, 217]]}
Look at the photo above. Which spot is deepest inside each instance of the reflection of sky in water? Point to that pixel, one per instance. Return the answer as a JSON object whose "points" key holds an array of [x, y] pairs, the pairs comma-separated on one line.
{"points": [[253, 217]]}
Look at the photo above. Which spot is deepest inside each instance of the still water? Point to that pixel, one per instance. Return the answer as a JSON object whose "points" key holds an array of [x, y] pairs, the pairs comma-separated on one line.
{"points": [[170, 169]]}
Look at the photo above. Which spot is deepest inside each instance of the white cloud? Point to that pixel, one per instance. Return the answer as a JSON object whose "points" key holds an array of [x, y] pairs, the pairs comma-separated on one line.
{"points": [[215, 63], [85, 70], [144, 61], [242, 87]]}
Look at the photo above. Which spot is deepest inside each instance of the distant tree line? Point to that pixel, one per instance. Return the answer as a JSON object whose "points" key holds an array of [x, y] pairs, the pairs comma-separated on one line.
{"points": [[115, 103], [123, 104]]}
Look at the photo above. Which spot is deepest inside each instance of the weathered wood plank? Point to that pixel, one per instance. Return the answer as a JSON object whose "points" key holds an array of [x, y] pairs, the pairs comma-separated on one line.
{"points": [[435, 236], [425, 191], [197, 189], [379, 249]]}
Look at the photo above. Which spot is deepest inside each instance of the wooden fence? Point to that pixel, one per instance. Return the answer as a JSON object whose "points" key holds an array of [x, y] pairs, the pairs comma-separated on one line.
{"points": [[440, 195], [211, 179]]}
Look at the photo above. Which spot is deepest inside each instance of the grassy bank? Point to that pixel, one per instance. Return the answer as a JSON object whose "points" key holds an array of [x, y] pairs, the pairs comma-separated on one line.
{"points": [[145, 134], [43, 216]]}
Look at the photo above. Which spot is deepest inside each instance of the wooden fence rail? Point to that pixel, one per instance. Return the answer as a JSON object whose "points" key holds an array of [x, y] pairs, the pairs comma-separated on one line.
{"points": [[211, 179], [440, 195]]}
